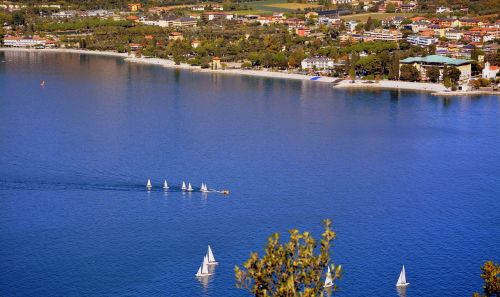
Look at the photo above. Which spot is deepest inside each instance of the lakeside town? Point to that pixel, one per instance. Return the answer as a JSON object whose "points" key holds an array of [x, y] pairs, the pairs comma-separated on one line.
{"points": [[352, 43]]}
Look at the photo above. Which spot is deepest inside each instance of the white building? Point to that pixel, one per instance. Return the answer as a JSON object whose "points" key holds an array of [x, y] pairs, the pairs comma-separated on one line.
{"points": [[317, 63], [387, 35], [442, 9], [13, 41], [453, 35], [490, 71], [351, 25], [421, 40]]}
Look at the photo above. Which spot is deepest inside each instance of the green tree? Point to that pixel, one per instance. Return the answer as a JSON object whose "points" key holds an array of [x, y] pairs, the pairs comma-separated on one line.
{"points": [[433, 74], [490, 275], [409, 73], [390, 8], [289, 269], [453, 74]]}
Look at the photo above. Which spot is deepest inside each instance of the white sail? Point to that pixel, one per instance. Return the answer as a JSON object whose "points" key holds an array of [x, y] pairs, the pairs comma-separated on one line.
{"points": [[165, 185], [148, 185], [210, 256], [328, 279], [190, 188], [204, 266], [199, 272], [183, 186], [206, 188], [402, 278]]}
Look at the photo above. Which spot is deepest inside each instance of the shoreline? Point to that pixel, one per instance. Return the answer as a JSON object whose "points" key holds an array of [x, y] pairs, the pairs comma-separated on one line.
{"points": [[433, 88]]}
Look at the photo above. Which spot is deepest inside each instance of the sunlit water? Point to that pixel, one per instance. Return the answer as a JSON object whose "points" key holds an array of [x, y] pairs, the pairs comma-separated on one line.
{"points": [[406, 177]]}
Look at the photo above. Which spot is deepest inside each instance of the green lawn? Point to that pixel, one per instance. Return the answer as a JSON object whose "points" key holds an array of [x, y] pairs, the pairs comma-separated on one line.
{"points": [[266, 5]]}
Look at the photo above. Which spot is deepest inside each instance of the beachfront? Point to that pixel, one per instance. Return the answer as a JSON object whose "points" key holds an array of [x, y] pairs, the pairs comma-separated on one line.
{"points": [[435, 88]]}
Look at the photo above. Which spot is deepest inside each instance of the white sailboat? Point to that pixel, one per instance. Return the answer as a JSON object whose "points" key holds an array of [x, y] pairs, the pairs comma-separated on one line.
{"points": [[165, 185], [203, 270], [328, 279], [183, 186], [210, 257], [190, 188], [148, 184], [402, 279], [204, 188]]}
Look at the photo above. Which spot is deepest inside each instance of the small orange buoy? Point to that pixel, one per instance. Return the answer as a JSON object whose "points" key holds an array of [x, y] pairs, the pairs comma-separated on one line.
{"points": [[225, 192]]}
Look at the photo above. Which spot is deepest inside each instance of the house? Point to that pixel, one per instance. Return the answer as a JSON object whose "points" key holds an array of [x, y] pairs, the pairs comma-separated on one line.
{"points": [[64, 14], [419, 25], [195, 43], [453, 34], [185, 22], [382, 34], [408, 7], [134, 6], [216, 15], [351, 25], [135, 46], [317, 63], [490, 71], [424, 63], [303, 31], [442, 9], [175, 36], [421, 40], [449, 23], [216, 64]]}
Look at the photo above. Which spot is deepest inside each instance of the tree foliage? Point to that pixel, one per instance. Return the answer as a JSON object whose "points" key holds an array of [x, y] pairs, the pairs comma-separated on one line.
{"points": [[289, 269], [409, 73], [490, 275]]}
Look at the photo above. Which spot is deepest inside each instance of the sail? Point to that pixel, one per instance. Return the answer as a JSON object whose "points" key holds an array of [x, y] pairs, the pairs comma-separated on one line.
{"points": [[204, 269], [199, 271], [149, 183], [328, 280], [206, 188], [165, 184], [211, 257], [402, 277], [183, 185], [190, 188]]}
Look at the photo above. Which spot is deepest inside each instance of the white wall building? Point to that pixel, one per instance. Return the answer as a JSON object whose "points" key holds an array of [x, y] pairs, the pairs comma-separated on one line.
{"points": [[13, 41], [421, 40], [490, 71], [317, 63]]}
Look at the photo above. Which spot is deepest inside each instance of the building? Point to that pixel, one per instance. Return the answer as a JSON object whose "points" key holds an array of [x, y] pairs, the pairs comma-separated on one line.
{"points": [[185, 22], [14, 41], [134, 6], [490, 71], [303, 31], [175, 36], [421, 40], [387, 35], [442, 9], [317, 63], [351, 25], [424, 63], [216, 15], [453, 35]]}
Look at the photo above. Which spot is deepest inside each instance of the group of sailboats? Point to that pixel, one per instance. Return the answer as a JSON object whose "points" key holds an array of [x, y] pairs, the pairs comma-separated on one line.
{"points": [[184, 188], [208, 260], [400, 283]]}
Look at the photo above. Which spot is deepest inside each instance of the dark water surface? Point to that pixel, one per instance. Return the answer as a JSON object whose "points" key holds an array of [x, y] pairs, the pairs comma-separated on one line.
{"points": [[407, 178]]}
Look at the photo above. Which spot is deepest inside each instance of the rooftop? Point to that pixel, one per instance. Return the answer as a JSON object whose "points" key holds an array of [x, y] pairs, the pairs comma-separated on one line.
{"points": [[435, 59]]}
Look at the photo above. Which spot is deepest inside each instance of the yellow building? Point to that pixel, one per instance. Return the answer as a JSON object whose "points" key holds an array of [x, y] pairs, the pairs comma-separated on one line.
{"points": [[424, 63], [134, 6]]}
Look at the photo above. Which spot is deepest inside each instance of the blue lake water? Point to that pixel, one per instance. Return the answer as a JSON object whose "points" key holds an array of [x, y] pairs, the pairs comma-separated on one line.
{"points": [[406, 177]]}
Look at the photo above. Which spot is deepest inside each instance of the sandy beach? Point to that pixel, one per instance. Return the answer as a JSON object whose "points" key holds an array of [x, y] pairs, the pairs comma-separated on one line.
{"points": [[437, 89]]}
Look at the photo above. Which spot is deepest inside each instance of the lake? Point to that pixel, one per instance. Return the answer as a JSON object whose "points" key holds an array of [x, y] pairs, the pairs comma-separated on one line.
{"points": [[407, 179]]}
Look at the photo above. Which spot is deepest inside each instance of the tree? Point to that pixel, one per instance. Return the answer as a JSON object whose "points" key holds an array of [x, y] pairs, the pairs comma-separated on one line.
{"points": [[490, 276], [390, 8], [290, 269], [409, 73], [453, 74], [433, 74]]}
